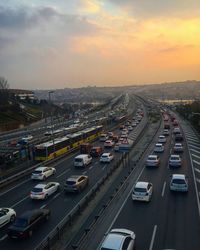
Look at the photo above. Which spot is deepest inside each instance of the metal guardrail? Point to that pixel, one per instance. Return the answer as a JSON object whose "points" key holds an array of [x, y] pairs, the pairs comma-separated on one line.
{"points": [[67, 220]]}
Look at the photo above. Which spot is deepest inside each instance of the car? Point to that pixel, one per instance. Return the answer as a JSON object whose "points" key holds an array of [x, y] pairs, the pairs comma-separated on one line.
{"points": [[178, 137], [76, 183], [41, 173], [166, 126], [119, 239], [82, 160], [7, 215], [142, 191], [103, 137], [159, 148], [116, 147], [176, 130], [161, 139], [175, 123], [108, 144], [130, 128], [179, 182], [44, 190], [96, 151], [106, 157], [134, 124], [175, 161], [27, 222], [153, 161], [178, 148], [27, 138], [110, 135], [166, 132]]}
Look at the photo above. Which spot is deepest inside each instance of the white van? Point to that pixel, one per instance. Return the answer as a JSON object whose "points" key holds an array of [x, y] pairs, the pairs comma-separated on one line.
{"points": [[82, 160], [103, 137]]}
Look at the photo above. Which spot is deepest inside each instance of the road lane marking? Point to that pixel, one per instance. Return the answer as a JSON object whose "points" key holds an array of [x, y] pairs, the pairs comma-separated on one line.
{"points": [[63, 173], [192, 140], [4, 237], [104, 167], [197, 170], [194, 146], [85, 172], [1, 194], [194, 143], [163, 190], [198, 163], [191, 149], [153, 237], [20, 201], [43, 206], [55, 196], [91, 167], [196, 156]]}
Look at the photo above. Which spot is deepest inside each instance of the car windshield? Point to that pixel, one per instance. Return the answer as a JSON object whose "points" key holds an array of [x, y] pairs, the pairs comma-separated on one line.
{"points": [[37, 172], [70, 183], [152, 158], [20, 222], [78, 160], [104, 156], [174, 158], [37, 190], [141, 190], [178, 181]]}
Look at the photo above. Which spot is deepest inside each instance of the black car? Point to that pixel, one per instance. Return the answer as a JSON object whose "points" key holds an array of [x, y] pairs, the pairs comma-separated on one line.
{"points": [[27, 222], [178, 137]]}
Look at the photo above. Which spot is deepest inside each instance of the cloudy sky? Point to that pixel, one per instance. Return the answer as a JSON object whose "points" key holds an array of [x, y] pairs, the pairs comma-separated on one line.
{"points": [[47, 44]]}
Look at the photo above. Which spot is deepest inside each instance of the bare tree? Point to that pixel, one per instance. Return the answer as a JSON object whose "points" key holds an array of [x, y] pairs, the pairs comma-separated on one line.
{"points": [[4, 91]]}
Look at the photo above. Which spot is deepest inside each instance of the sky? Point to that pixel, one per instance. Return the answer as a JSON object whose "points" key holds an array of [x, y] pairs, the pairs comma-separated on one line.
{"points": [[48, 44]]}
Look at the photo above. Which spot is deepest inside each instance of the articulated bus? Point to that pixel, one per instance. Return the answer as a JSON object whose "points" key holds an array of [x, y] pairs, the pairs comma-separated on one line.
{"points": [[59, 146]]}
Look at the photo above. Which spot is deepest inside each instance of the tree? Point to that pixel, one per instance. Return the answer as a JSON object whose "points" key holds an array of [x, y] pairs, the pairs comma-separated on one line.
{"points": [[4, 91]]}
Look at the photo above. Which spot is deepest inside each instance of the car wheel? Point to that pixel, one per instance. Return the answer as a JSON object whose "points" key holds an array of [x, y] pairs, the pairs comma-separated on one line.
{"points": [[30, 233], [12, 218]]}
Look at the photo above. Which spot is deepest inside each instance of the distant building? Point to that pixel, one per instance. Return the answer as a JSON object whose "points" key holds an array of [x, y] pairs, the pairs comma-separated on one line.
{"points": [[23, 94]]}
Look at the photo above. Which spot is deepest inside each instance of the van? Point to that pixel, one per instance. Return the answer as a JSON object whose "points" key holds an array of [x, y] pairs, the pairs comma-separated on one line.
{"points": [[103, 137], [96, 151], [82, 160]]}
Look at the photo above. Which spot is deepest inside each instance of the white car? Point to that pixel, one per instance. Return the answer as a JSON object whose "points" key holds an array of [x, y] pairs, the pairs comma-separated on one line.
{"points": [[108, 144], [119, 239], [161, 139], [106, 157], [176, 131], [179, 183], [142, 191], [134, 124], [166, 132], [27, 138], [116, 147], [153, 161], [175, 161], [7, 215], [44, 190], [130, 128], [42, 173], [159, 148], [178, 148]]}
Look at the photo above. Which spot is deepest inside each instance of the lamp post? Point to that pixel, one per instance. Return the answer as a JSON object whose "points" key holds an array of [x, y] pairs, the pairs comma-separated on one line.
{"points": [[52, 134]]}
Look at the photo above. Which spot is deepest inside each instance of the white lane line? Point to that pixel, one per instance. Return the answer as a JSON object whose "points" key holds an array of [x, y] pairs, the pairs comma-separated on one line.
{"points": [[63, 173], [91, 167], [191, 149], [1, 194], [55, 196], [197, 162], [85, 172], [4, 237], [194, 146], [198, 180], [194, 143], [153, 237], [43, 206], [163, 190], [197, 170], [192, 140], [20, 201], [196, 156]]}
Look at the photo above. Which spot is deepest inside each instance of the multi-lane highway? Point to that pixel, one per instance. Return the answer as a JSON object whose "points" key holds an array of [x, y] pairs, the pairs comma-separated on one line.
{"points": [[170, 220], [60, 204]]}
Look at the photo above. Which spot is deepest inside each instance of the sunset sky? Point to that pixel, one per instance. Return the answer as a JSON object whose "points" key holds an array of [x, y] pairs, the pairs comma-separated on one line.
{"points": [[47, 44]]}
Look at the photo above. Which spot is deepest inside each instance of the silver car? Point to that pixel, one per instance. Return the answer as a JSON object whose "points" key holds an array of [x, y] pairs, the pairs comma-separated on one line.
{"points": [[119, 239], [179, 183], [175, 161]]}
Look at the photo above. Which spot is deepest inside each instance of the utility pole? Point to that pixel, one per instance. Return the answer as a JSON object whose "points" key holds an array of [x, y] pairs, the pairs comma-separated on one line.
{"points": [[52, 134]]}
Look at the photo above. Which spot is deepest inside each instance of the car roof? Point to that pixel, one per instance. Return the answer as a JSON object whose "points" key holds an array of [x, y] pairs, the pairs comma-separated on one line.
{"points": [[178, 144], [41, 185], [178, 176], [75, 177], [106, 154], [161, 136], [178, 156], [113, 241], [40, 168], [141, 184], [152, 156], [81, 156], [159, 145]]}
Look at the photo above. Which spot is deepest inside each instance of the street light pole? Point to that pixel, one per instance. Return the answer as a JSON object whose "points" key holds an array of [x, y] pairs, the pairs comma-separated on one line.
{"points": [[52, 134]]}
